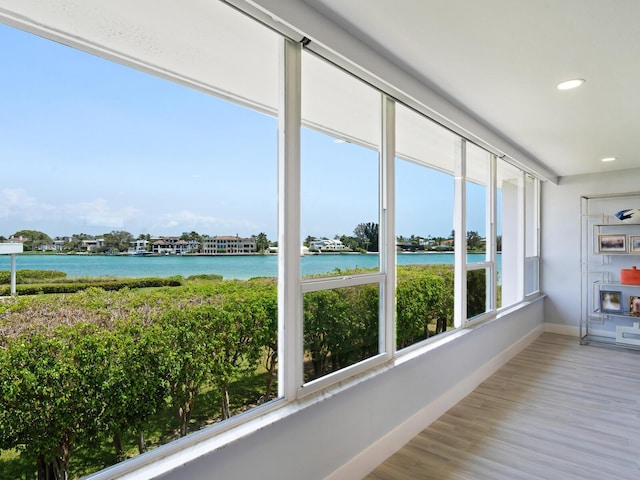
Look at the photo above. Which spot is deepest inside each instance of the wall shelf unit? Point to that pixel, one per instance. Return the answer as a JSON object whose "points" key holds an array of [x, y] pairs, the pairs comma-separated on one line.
{"points": [[610, 309]]}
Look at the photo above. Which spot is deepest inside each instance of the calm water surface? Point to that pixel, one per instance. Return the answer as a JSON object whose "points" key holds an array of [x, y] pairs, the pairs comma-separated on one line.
{"points": [[238, 267]]}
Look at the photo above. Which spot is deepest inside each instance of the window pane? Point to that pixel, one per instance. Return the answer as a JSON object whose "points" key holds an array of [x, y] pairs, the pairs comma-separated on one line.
{"points": [[341, 328], [509, 218], [477, 282], [339, 168], [531, 284], [531, 216], [424, 302], [424, 227], [129, 177], [478, 173], [531, 275], [477, 227]]}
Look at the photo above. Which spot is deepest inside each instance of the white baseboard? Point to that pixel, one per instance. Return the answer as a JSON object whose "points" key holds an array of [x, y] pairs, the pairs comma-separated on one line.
{"points": [[569, 330], [365, 462]]}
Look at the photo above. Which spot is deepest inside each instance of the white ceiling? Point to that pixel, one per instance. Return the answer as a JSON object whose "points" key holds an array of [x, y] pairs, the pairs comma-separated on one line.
{"points": [[501, 60]]}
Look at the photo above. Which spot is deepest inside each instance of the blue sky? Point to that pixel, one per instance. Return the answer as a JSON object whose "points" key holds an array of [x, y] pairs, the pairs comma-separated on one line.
{"points": [[91, 146]]}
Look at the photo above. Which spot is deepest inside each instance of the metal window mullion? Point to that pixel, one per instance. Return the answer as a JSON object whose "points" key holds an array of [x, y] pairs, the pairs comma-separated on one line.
{"points": [[387, 332], [478, 266], [522, 234], [340, 282], [492, 232], [537, 199], [536, 206], [289, 299], [460, 240]]}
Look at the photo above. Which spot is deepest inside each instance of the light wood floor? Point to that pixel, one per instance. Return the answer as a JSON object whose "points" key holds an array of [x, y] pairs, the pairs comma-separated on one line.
{"points": [[558, 410]]}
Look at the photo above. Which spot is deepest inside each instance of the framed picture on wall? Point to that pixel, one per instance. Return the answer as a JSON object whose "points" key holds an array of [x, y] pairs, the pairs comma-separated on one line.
{"points": [[612, 243], [610, 301], [634, 306], [634, 244]]}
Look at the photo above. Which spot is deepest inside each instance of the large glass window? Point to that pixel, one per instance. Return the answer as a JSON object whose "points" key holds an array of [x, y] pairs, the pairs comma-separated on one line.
{"points": [[148, 211], [341, 328], [509, 225], [340, 217], [532, 235], [147, 307], [424, 227], [478, 230], [340, 167]]}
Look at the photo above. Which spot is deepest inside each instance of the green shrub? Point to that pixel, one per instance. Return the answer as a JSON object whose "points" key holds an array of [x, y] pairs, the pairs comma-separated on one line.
{"points": [[48, 288], [206, 276], [31, 276]]}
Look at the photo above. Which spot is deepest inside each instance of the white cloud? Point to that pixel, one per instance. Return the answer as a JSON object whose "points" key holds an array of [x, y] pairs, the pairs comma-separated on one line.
{"points": [[17, 202], [23, 210], [19, 210], [99, 213], [205, 224]]}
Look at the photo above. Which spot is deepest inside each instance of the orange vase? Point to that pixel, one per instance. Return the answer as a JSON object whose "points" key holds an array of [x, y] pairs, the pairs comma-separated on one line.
{"points": [[630, 276]]}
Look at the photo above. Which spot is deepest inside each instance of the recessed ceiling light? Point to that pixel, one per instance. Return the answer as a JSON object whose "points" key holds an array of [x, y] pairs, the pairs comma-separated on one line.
{"points": [[569, 84], [608, 159]]}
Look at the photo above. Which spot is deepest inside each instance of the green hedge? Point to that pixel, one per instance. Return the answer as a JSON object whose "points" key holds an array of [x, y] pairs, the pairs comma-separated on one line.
{"points": [[205, 276], [82, 370], [31, 276], [110, 285], [77, 371]]}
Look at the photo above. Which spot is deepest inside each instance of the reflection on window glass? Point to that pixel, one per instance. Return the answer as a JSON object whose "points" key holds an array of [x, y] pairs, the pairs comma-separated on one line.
{"points": [[340, 181], [133, 324], [477, 281], [424, 302], [424, 227], [341, 328]]}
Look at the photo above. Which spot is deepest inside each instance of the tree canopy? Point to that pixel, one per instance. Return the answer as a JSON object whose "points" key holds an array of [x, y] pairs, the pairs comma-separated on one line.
{"points": [[367, 236], [35, 239]]}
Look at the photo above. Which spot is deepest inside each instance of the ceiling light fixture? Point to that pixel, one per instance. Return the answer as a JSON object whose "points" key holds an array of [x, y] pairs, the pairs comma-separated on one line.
{"points": [[569, 84], [608, 159]]}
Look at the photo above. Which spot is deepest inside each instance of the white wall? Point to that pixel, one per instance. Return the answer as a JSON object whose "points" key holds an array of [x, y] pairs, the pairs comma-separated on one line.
{"points": [[560, 266], [347, 434]]}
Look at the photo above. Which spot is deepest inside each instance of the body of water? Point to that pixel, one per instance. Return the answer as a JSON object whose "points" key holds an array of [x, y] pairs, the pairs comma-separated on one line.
{"points": [[230, 267]]}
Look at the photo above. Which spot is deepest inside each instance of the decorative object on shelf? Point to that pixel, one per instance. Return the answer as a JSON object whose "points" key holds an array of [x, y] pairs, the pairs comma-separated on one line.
{"points": [[628, 335], [630, 276], [610, 301], [634, 306], [634, 244], [630, 215], [612, 243]]}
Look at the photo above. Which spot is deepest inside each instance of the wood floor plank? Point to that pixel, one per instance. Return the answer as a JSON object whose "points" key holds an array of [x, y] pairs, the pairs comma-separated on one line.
{"points": [[558, 410]]}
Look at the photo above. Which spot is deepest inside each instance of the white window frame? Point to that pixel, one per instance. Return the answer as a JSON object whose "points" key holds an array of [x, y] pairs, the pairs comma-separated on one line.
{"points": [[291, 288], [292, 281]]}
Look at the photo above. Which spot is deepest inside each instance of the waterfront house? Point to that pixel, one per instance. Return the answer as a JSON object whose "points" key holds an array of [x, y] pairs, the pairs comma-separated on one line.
{"points": [[327, 245], [58, 245], [138, 246], [92, 245], [174, 246], [227, 244]]}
